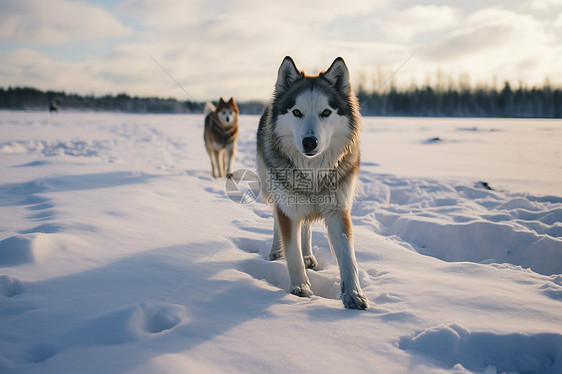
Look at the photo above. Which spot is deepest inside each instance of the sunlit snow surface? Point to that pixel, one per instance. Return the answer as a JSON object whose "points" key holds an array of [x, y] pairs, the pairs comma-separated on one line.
{"points": [[119, 253]]}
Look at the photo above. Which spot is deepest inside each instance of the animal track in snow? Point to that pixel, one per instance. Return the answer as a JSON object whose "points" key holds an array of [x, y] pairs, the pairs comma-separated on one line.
{"points": [[553, 288], [55, 148], [40, 353], [10, 286], [46, 228], [447, 221], [35, 247], [17, 250], [324, 283], [252, 245], [129, 324], [161, 318], [477, 351]]}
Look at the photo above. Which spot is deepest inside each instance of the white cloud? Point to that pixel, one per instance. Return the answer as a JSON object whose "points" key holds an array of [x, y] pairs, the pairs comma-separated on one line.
{"points": [[545, 4], [184, 14], [497, 42], [557, 23], [233, 48], [157, 16], [26, 67], [487, 29], [237, 46], [56, 22], [403, 25], [116, 73]]}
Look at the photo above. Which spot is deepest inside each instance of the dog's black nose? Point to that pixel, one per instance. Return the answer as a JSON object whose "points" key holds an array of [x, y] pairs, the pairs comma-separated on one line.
{"points": [[309, 144]]}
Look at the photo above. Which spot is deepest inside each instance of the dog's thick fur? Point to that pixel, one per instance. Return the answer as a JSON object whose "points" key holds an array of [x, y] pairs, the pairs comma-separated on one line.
{"points": [[312, 127], [221, 131]]}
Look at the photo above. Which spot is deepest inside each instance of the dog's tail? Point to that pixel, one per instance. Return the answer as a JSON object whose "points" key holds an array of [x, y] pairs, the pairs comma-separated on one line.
{"points": [[209, 108]]}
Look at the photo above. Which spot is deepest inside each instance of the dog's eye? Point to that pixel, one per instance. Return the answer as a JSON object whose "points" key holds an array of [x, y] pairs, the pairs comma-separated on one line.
{"points": [[325, 113], [297, 113]]}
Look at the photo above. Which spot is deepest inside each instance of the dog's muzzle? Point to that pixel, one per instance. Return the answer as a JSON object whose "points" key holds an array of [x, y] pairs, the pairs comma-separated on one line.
{"points": [[309, 145]]}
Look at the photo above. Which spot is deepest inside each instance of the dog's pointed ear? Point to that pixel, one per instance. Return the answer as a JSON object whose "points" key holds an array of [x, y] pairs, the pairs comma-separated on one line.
{"points": [[231, 100], [287, 74], [221, 101], [338, 75]]}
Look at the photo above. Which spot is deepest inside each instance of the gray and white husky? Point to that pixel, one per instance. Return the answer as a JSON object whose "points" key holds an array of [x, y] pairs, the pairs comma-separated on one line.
{"points": [[308, 162]]}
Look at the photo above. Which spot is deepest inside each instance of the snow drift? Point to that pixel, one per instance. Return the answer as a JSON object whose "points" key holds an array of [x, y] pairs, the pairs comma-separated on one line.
{"points": [[119, 253]]}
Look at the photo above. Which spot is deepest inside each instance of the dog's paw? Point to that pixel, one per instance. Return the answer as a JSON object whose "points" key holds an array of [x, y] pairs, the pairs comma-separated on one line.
{"points": [[302, 291], [275, 255], [310, 262], [355, 300]]}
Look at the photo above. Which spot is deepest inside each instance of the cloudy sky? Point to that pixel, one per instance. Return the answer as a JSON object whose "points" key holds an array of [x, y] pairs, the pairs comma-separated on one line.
{"points": [[233, 48]]}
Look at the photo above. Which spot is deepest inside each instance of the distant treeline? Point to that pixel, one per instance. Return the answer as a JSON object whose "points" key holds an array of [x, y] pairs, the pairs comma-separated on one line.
{"points": [[32, 98], [544, 102]]}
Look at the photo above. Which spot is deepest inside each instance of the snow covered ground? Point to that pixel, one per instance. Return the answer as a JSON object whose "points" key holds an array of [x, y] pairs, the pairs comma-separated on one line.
{"points": [[120, 254]]}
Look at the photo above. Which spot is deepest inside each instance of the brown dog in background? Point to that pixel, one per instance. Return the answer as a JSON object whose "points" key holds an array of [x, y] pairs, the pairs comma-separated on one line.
{"points": [[221, 130]]}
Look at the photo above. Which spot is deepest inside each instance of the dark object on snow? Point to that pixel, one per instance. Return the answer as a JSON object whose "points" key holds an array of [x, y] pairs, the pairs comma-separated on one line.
{"points": [[53, 107], [486, 186], [433, 140]]}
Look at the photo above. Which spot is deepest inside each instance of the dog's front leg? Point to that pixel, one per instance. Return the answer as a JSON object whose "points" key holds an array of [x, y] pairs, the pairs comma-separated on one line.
{"points": [[220, 162], [306, 242], [289, 230], [215, 163], [340, 236], [230, 149], [276, 251]]}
